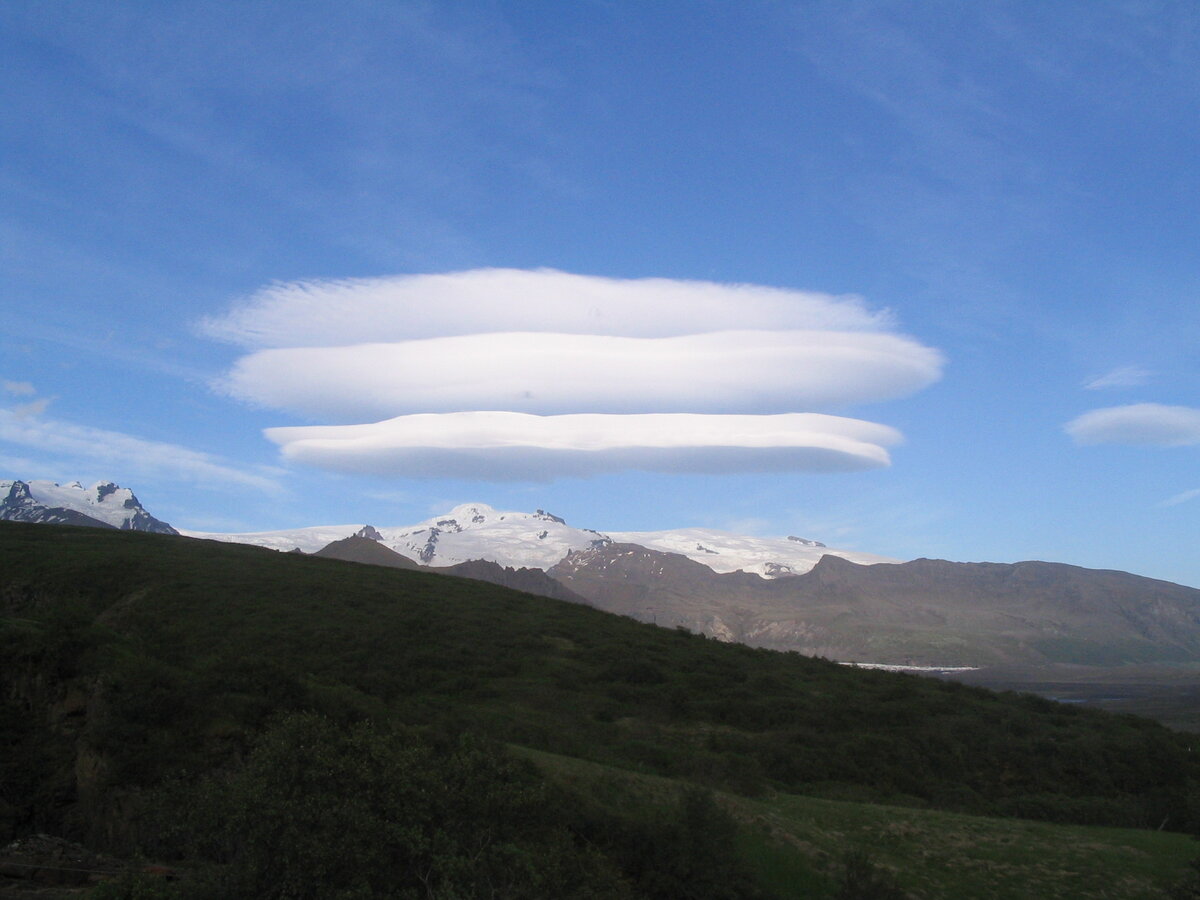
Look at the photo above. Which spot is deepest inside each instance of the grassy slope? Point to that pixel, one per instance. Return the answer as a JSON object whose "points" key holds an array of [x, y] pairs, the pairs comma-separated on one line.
{"points": [[184, 648], [794, 844]]}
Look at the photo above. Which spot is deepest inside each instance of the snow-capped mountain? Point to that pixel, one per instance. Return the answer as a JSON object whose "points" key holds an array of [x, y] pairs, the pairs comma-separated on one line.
{"points": [[103, 505], [534, 540], [540, 540]]}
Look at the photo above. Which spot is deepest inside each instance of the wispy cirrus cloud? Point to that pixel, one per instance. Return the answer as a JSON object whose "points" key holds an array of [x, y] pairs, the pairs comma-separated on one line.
{"points": [[82, 445], [1120, 377], [20, 388], [1143, 424], [501, 373], [1183, 497]]}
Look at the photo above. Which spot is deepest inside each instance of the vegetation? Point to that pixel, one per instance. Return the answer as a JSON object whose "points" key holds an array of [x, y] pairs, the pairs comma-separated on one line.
{"points": [[307, 727]]}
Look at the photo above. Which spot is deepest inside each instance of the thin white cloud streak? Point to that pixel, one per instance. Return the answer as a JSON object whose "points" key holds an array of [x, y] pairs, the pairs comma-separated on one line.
{"points": [[518, 446], [20, 388], [1141, 424], [1120, 377], [725, 372], [328, 313], [1181, 498], [95, 445]]}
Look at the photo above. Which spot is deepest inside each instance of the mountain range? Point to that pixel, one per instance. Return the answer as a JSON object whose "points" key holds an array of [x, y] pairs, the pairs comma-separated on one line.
{"points": [[541, 539], [779, 593]]}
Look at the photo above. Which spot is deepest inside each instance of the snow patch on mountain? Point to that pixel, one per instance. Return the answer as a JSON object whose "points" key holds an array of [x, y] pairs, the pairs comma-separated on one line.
{"points": [[534, 540], [723, 551]]}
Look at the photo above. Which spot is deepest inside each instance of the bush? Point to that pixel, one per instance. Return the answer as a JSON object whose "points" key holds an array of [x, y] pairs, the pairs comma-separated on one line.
{"points": [[863, 880]]}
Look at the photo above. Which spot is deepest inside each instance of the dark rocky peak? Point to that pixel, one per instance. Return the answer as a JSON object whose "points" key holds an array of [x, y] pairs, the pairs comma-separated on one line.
{"points": [[549, 517], [430, 549], [369, 532], [805, 541], [18, 493]]}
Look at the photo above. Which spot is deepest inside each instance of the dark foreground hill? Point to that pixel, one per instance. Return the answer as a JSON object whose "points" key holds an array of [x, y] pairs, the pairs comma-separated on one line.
{"points": [[925, 612], [127, 660]]}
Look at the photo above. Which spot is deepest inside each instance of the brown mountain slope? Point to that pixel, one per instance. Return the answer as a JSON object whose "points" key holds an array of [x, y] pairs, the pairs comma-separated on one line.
{"points": [[925, 612], [357, 548]]}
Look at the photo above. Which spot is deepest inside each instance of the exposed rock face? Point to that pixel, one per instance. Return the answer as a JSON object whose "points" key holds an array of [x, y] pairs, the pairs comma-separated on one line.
{"points": [[925, 612]]}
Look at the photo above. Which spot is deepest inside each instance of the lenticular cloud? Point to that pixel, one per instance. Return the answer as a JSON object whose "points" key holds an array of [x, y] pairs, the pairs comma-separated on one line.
{"points": [[500, 373], [1146, 424]]}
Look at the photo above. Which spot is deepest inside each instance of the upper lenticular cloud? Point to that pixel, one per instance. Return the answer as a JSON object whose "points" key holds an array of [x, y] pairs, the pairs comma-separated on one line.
{"points": [[723, 372], [1151, 424], [407, 307], [499, 373]]}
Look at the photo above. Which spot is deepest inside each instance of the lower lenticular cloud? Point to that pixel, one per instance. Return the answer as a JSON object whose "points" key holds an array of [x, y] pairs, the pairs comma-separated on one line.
{"points": [[500, 373], [1146, 424], [505, 445]]}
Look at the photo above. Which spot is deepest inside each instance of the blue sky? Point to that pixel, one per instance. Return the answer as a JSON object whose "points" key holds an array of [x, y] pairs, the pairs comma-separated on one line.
{"points": [[980, 223]]}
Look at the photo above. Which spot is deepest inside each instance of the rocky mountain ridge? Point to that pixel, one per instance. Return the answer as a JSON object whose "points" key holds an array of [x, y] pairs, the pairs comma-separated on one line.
{"points": [[921, 613]]}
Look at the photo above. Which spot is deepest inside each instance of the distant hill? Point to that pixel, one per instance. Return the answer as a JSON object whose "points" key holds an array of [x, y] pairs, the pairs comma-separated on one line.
{"points": [[924, 612], [357, 548], [531, 581]]}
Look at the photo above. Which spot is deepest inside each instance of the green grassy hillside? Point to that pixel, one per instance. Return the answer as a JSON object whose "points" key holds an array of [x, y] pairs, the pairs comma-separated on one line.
{"points": [[128, 659], [797, 845]]}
